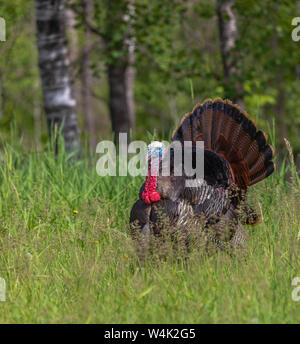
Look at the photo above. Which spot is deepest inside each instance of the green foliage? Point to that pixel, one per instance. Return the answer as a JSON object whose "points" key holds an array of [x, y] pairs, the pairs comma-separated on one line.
{"points": [[19, 76], [177, 43], [269, 60]]}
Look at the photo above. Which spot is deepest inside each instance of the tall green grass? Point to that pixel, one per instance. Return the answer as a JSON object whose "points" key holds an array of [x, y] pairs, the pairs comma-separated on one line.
{"points": [[62, 267]]}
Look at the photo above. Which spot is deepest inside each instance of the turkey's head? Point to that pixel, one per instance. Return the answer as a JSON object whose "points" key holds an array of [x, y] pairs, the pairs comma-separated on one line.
{"points": [[158, 186], [153, 158]]}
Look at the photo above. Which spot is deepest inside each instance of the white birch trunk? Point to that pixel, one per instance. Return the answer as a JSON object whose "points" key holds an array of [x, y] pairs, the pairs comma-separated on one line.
{"points": [[59, 102], [228, 33], [87, 78]]}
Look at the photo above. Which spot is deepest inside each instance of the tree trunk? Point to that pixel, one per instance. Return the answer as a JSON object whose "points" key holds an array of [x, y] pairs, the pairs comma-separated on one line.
{"points": [[121, 76], [59, 102], [298, 66], [2, 95], [130, 71], [279, 108], [37, 123], [73, 46], [298, 72], [228, 33], [87, 78], [70, 22], [118, 105], [129, 82]]}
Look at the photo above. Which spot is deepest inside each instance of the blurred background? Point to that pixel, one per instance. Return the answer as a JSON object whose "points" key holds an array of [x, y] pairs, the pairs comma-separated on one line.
{"points": [[102, 67]]}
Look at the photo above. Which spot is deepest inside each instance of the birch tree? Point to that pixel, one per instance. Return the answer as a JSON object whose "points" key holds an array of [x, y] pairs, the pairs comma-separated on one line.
{"points": [[87, 77], [228, 35], [59, 102], [114, 24]]}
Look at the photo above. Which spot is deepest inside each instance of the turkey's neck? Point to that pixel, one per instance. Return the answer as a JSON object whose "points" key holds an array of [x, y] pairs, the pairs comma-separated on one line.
{"points": [[150, 194]]}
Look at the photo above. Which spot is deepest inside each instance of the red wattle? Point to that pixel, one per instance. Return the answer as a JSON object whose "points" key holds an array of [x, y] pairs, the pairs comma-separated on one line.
{"points": [[146, 198], [150, 194], [154, 196]]}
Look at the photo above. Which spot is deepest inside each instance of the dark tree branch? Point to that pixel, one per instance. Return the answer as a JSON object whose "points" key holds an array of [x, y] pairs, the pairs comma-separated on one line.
{"points": [[87, 23]]}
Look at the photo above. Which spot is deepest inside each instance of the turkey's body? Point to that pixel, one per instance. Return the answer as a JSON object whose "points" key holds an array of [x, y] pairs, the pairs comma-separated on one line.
{"points": [[205, 207], [236, 156]]}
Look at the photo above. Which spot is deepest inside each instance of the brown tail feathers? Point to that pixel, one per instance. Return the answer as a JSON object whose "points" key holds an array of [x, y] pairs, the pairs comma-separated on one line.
{"points": [[228, 131]]}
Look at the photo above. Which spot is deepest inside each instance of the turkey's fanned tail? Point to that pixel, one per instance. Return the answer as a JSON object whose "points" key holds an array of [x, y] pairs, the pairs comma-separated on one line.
{"points": [[228, 131]]}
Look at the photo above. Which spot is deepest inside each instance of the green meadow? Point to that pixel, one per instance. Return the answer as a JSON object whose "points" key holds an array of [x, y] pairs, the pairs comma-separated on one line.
{"points": [[67, 256]]}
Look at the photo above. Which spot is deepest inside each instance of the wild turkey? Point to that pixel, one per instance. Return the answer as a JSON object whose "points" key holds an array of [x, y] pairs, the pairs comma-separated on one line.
{"points": [[236, 156]]}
